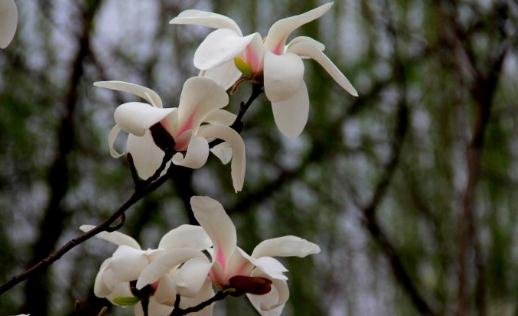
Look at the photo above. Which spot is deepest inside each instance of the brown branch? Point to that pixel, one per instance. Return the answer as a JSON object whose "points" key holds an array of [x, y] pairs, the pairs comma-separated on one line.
{"points": [[177, 311]]}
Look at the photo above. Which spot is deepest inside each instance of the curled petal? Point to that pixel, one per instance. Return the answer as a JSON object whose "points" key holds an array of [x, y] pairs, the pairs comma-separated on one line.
{"points": [[185, 236], [212, 217], [205, 18], [100, 288], [135, 117], [271, 304], [286, 246], [281, 30], [145, 93], [308, 47], [283, 75], [225, 74], [164, 264], [192, 276], [127, 263], [271, 267], [114, 133], [230, 136], [166, 291], [147, 157], [220, 46], [291, 115], [116, 238], [8, 22], [196, 155], [302, 39], [154, 308], [121, 292], [223, 151], [205, 293], [220, 117]]}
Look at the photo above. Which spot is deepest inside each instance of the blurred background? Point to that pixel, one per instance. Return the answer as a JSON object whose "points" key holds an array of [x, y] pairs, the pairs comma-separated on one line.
{"points": [[410, 189]]}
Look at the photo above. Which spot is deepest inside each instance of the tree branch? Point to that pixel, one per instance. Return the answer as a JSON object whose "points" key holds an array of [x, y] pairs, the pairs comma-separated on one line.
{"points": [[177, 311]]}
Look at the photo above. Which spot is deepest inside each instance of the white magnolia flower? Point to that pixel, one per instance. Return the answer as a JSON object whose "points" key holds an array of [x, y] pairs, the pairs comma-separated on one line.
{"points": [[259, 275], [130, 263], [198, 120], [277, 63], [8, 22]]}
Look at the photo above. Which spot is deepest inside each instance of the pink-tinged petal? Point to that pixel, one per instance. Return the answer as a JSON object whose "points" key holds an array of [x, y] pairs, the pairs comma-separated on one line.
{"points": [[192, 276], [8, 22], [204, 294], [283, 76], [240, 263], [164, 264], [233, 138], [154, 309], [127, 263], [286, 246], [271, 304], [220, 117], [196, 155], [100, 288], [186, 236], [254, 54], [308, 47], [291, 115], [212, 217], [208, 19], [116, 238], [223, 151], [147, 157], [281, 30], [220, 46], [135, 117], [271, 267], [112, 137], [225, 74], [199, 97], [145, 93]]}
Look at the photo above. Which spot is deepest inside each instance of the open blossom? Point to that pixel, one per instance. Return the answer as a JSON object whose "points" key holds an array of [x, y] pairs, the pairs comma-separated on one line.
{"points": [[198, 120], [8, 22], [130, 263], [259, 275], [277, 63]]}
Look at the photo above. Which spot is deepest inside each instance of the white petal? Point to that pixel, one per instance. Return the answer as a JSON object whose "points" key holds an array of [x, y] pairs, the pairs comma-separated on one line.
{"points": [[146, 155], [223, 151], [205, 294], [119, 290], [199, 97], [283, 75], [196, 155], [240, 263], [145, 93], [186, 236], [116, 238], [286, 246], [164, 264], [271, 267], [225, 74], [127, 263], [281, 30], [303, 39], [271, 304], [212, 217], [154, 309], [8, 22], [192, 276], [208, 19], [220, 117], [135, 117], [112, 137], [291, 115], [230, 136], [310, 48], [100, 288], [220, 46], [166, 291]]}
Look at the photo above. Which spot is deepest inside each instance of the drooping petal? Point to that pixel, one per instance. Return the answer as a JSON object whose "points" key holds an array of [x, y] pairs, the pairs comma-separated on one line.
{"points": [[271, 267], [100, 288], [196, 155], [115, 237], [147, 157], [112, 137], [230, 136], [145, 93], [223, 151], [302, 39], [199, 97], [220, 117], [164, 264], [310, 48], [8, 22], [205, 18], [135, 117], [191, 276], [212, 217], [185, 236], [225, 74], [286, 246], [271, 304], [205, 293], [127, 263], [220, 46], [291, 115], [283, 75], [281, 30]]}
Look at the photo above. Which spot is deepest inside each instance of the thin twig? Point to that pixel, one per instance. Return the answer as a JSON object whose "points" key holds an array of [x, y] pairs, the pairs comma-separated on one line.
{"points": [[177, 311]]}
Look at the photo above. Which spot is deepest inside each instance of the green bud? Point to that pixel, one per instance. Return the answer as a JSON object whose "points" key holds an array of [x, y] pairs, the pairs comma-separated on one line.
{"points": [[126, 300], [243, 66]]}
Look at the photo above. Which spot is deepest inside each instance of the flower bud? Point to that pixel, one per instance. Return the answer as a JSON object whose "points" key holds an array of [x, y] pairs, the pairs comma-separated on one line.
{"points": [[251, 285]]}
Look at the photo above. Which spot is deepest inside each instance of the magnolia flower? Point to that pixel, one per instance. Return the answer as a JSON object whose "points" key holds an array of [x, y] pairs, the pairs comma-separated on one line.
{"points": [[259, 276], [130, 263], [8, 22], [198, 120], [226, 53]]}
